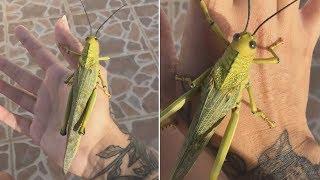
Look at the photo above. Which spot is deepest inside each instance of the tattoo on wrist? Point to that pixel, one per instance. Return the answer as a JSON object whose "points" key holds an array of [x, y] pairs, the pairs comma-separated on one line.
{"points": [[142, 161], [279, 161]]}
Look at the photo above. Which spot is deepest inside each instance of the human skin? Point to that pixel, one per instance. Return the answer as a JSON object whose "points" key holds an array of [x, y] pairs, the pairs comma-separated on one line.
{"points": [[46, 99], [5, 176], [280, 90]]}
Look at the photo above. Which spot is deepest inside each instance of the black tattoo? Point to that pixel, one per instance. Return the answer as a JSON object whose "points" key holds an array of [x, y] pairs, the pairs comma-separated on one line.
{"points": [[281, 162], [142, 160], [277, 162]]}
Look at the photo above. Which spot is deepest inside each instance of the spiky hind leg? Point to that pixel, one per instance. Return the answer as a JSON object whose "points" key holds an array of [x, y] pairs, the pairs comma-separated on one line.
{"points": [[225, 143], [63, 130], [82, 122], [69, 79], [175, 106]]}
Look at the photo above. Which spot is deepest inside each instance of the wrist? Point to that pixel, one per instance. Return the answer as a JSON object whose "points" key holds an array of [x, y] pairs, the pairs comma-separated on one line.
{"points": [[113, 137], [252, 140]]}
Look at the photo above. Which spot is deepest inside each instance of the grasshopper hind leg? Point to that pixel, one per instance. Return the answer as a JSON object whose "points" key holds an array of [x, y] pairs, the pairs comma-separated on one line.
{"points": [[81, 124], [225, 143], [63, 130], [69, 79]]}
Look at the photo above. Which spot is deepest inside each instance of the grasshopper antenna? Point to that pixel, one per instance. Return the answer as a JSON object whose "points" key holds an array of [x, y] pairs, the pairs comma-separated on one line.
{"points": [[273, 16], [85, 11], [109, 18], [248, 18]]}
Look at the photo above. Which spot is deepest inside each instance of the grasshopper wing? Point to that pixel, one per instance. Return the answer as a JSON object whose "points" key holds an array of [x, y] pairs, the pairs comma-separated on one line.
{"points": [[214, 106]]}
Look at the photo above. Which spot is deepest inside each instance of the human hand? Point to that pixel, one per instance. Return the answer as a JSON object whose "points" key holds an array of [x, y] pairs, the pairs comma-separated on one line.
{"points": [[275, 86], [46, 99]]}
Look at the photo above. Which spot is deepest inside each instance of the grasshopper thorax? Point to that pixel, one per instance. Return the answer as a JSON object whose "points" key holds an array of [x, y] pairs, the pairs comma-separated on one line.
{"points": [[91, 51], [245, 44]]}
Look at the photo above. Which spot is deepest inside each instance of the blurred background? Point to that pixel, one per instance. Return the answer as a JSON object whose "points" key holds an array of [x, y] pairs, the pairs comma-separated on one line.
{"points": [[130, 38], [176, 11]]}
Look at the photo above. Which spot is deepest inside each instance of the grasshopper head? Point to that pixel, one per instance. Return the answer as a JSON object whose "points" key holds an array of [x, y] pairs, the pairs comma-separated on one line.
{"points": [[244, 43], [92, 47]]}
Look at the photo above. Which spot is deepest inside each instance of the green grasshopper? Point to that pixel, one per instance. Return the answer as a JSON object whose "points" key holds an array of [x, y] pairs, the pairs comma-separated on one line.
{"points": [[83, 93], [221, 89]]}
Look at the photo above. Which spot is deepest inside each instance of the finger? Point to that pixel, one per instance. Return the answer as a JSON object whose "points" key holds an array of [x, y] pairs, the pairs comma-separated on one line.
{"points": [[215, 5], [5, 176], [24, 78], [42, 55], [65, 37], [311, 15], [290, 11], [168, 60], [16, 122], [22, 98]]}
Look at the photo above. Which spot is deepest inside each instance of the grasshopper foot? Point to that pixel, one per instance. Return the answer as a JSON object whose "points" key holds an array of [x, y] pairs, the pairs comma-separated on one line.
{"points": [[278, 42], [76, 127], [69, 83], [82, 131], [69, 80], [188, 80], [63, 131], [261, 114]]}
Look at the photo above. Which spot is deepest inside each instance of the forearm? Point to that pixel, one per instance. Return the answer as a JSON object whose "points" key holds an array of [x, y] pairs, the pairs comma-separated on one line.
{"points": [[121, 155]]}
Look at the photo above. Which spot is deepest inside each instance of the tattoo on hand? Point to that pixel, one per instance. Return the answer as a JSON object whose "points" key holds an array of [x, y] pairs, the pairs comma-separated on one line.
{"points": [[142, 161], [279, 161]]}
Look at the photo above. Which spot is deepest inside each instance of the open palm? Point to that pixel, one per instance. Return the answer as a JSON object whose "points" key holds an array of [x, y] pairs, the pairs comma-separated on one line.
{"points": [[46, 99]]}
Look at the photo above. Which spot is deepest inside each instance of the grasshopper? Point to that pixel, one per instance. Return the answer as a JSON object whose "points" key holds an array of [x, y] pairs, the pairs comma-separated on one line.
{"points": [[83, 93], [221, 89]]}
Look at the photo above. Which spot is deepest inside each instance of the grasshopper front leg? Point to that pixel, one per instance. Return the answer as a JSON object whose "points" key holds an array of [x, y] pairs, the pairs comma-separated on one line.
{"points": [[255, 110], [197, 81], [104, 58], [104, 86], [82, 122], [68, 50], [213, 26], [272, 60], [225, 143]]}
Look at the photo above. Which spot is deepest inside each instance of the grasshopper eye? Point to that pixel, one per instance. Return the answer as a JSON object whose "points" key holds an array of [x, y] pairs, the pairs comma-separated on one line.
{"points": [[236, 36], [252, 44]]}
